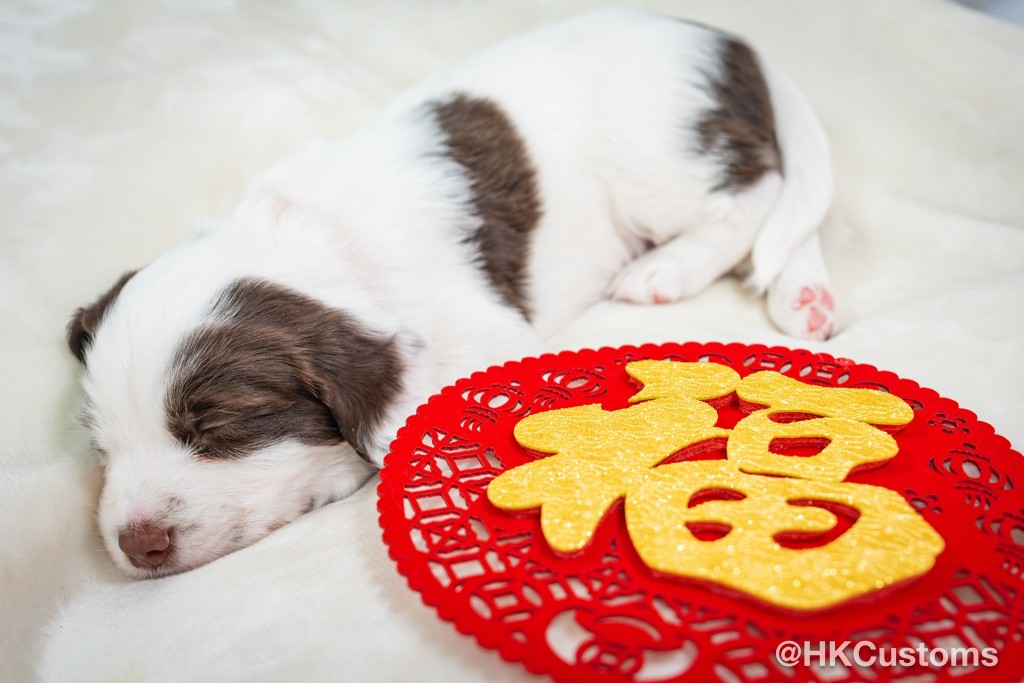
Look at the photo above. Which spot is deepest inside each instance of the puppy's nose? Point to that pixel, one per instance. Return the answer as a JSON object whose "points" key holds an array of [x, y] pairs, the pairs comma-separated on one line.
{"points": [[146, 545]]}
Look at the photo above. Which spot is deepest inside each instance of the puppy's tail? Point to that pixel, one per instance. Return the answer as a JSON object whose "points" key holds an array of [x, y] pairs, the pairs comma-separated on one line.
{"points": [[807, 183]]}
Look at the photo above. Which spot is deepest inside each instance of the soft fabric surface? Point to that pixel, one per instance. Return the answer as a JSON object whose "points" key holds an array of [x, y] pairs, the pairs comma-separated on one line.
{"points": [[122, 121]]}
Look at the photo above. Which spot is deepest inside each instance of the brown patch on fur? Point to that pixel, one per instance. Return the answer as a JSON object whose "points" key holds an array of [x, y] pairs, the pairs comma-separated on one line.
{"points": [[483, 140], [86, 319], [278, 365], [741, 129]]}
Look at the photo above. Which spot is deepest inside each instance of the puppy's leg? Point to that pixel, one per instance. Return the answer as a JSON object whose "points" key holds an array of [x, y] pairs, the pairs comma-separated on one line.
{"points": [[470, 341], [799, 300], [688, 262], [677, 269], [492, 337]]}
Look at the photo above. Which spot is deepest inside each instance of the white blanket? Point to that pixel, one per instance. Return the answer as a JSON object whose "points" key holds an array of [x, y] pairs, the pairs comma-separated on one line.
{"points": [[122, 121]]}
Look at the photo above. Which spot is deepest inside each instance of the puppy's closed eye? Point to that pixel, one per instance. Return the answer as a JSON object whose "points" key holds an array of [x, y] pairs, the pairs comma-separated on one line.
{"points": [[238, 426]]}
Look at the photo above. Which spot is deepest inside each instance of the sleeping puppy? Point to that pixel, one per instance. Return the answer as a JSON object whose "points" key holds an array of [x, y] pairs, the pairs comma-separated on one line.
{"points": [[260, 368]]}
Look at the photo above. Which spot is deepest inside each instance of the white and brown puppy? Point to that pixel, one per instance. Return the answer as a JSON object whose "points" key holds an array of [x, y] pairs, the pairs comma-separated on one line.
{"points": [[260, 368]]}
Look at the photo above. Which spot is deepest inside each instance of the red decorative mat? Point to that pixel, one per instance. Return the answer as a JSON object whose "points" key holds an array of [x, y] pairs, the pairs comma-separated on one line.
{"points": [[905, 564]]}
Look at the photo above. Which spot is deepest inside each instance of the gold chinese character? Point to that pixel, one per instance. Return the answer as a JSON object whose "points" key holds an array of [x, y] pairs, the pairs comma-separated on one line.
{"points": [[599, 457]]}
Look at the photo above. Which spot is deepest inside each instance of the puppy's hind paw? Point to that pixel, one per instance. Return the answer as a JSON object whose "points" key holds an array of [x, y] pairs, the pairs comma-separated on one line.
{"points": [[802, 311]]}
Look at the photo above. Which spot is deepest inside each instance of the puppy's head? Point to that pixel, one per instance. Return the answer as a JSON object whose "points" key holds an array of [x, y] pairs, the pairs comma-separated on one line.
{"points": [[223, 407]]}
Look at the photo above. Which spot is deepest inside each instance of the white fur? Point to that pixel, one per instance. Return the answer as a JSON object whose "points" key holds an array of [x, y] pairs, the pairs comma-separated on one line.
{"points": [[373, 225]]}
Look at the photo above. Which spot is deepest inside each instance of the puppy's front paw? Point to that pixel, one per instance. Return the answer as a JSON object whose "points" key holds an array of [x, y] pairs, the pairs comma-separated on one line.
{"points": [[805, 311], [649, 281]]}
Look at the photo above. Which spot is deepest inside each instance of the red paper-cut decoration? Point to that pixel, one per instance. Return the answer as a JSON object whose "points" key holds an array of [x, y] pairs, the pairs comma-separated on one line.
{"points": [[602, 615]]}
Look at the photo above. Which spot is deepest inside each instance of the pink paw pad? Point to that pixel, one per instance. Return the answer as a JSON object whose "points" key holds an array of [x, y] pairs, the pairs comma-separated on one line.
{"points": [[815, 319], [661, 298], [819, 300]]}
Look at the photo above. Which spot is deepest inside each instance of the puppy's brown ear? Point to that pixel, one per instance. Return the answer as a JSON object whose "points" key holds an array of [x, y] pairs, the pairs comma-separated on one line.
{"points": [[358, 375], [85, 320]]}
